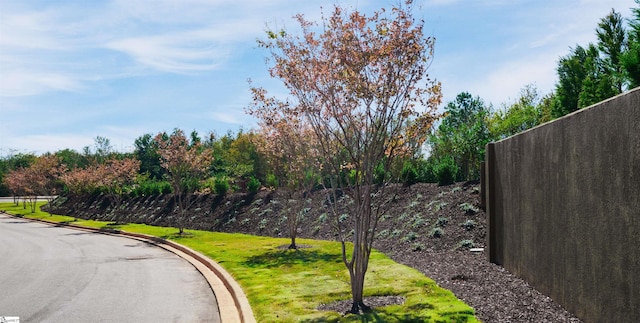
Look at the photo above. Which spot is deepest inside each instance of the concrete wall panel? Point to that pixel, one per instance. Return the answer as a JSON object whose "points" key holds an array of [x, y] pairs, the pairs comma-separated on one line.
{"points": [[563, 205]]}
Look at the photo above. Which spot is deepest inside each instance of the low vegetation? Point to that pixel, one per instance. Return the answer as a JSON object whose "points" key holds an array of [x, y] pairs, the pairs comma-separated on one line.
{"points": [[286, 285]]}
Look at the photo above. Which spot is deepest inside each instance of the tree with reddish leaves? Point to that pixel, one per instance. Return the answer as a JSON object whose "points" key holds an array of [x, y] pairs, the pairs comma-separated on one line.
{"points": [[185, 164], [291, 152], [82, 180], [115, 177], [360, 84], [16, 181], [39, 179], [44, 178]]}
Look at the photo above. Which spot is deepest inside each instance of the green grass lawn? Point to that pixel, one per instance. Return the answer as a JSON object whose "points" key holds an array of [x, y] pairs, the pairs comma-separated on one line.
{"points": [[288, 285]]}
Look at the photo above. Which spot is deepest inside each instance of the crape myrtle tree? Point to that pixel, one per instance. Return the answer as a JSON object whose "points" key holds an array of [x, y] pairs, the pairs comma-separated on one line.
{"points": [[116, 177], [291, 152], [43, 176], [15, 180], [38, 179], [360, 84], [185, 164]]}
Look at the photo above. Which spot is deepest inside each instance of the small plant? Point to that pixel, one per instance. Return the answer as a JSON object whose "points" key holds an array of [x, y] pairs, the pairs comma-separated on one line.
{"points": [[411, 236], [417, 246], [262, 224], [343, 217], [265, 212], [414, 204], [383, 234], [282, 220], [253, 185], [446, 171], [403, 216], [221, 186], [465, 244], [316, 230], [322, 218], [442, 221], [436, 232], [456, 189], [245, 221], [468, 208], [418, 222], [396, 233], [409, 174], [272, 181], [437, 205], [468, 225]]}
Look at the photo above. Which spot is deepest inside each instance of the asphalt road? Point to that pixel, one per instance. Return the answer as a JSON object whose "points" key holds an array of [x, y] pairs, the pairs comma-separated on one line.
{"points": [[55, 274]]}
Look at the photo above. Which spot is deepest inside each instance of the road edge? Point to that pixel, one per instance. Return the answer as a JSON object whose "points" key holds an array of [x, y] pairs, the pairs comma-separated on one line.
{"points": [[233, 305]]}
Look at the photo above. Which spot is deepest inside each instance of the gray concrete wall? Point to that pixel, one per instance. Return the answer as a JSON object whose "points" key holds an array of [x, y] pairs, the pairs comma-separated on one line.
{"points": [[563, 206]]}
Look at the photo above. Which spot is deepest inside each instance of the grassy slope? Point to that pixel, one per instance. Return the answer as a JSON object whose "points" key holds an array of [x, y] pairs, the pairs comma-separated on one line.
{"points": [[287, 285]]}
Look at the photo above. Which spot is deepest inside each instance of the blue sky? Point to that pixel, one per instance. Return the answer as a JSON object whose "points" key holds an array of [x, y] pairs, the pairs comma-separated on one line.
{"points": [[71, 70]]}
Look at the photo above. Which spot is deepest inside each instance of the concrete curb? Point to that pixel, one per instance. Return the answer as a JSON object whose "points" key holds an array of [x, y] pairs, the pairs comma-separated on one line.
{"points": [[233, 304]]}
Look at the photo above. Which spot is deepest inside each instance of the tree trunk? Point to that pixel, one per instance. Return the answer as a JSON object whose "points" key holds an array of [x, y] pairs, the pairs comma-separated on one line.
{"points": [[293, 243], [357, 272]]}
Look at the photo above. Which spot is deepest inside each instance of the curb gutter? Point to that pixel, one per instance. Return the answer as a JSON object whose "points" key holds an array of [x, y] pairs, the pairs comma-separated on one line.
{"points": [[233, 304]]}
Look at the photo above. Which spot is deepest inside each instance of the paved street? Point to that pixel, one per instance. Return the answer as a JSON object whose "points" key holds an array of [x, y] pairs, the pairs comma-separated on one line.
{"points": [[55, 274]]}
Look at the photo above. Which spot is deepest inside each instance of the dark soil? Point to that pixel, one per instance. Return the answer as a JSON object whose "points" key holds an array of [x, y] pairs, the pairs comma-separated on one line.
{"points": [[427, 227]]}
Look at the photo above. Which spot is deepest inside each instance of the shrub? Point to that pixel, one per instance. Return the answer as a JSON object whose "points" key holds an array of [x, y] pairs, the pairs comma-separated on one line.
{"points": [[383, 234], [409, 174], [151, 188], [262, 224], [446, 170], [436, 232], [380, 174], [468, 208], [427, 171], [272, 181], [253, 185], [410, 236], [468, 225], [418, 222], [465, 244], [221, 186], [417, 246], [442, 221]]}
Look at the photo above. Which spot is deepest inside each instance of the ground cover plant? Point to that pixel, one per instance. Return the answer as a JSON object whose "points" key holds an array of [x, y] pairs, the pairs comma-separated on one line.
{"points": [[286, 285]]}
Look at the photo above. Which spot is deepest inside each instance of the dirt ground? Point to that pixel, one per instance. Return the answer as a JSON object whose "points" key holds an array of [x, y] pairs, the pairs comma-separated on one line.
{"points": [[427, 227]]}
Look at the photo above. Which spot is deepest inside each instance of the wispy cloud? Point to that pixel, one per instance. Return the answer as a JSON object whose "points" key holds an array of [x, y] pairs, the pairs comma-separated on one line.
{"points": [[73, 43]]}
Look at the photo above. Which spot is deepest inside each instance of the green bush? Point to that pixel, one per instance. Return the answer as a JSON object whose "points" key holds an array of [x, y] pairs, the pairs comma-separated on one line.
{"points": [[409, 174], [151, 188], [380, 174], [426, 171], [253, 185], [272, 181], [468, 225], [221, 186], [436, 232], [446, 170], [465, 244]]}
